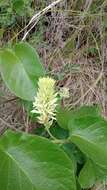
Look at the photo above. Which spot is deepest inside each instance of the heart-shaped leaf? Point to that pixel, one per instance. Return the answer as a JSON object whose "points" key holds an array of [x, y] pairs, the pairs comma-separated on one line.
{"points": [[20, 69], [34, 163]]}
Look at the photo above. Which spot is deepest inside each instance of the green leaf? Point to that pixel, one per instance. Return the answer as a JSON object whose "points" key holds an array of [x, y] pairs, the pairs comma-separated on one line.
{"points": [[92, 141], [69, 151], [87, 176], [20, 70], [33, 163], [66, 117], [91, 173], [88, 131], [58, 132], [29, 59], [18, 6], [84, 116], [63, 117], [95, 173]]}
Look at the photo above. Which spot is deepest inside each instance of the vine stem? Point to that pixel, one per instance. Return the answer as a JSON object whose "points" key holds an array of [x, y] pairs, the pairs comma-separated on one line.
{"points": [[50, 134], [54, 139], [61, 141]]}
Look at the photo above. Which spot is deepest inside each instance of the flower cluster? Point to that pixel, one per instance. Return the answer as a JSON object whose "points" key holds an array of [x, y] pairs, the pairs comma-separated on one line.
{"points": [[45, 101]]}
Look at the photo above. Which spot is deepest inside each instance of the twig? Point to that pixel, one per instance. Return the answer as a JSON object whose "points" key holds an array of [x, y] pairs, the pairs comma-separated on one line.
{"points": [[8, 125], [8, 101], [37, 17], [93, 86], [88, 4]]}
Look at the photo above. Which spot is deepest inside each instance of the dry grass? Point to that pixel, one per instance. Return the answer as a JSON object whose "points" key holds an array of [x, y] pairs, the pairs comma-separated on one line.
{"points": [[66, 51], [11, 113]]}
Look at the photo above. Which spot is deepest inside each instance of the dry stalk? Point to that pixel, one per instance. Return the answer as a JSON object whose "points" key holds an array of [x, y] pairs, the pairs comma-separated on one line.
{"points": [[34, 20], [8, 125], [91, 88]]}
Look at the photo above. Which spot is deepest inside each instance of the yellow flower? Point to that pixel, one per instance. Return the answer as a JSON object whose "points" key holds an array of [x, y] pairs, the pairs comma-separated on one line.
{"points": [[64, 92], [45, 101]]}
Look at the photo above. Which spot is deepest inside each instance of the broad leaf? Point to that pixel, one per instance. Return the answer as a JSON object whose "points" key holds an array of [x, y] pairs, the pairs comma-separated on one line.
{"points": [[88, 131], [91, 173], [59, 132], [20, 70], [29, 59], [69, 151], [92, 141], [64, 116], [87, 176], [33, 163], [84, 117]]}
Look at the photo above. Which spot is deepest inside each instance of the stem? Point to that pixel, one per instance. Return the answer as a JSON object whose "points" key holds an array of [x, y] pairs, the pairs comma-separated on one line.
{"points": [[61, 141], [55, 140], [50, 134]]}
